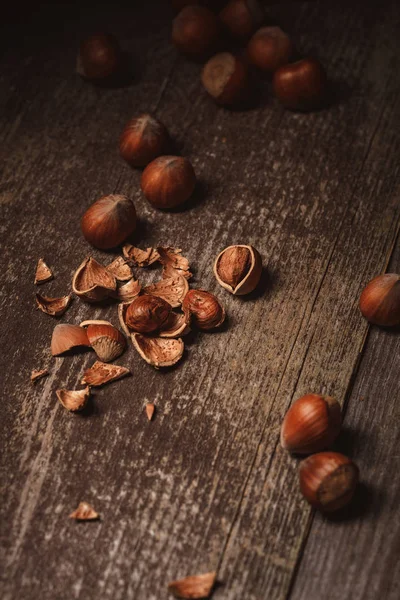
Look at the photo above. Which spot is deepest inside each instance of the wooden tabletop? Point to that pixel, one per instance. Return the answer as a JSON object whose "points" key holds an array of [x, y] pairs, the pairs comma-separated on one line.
{"points": [[205, 485]]}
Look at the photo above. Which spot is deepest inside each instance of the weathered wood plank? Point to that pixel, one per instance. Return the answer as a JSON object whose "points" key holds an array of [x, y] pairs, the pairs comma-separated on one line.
{"points": [[204, 484]]}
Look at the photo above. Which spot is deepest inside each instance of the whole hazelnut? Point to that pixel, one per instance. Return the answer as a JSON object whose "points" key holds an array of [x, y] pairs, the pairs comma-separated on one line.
{"points": [[99, 57], [203, 309], [269, 49], [380, 300], [225, 78], [238, 269], [109, 221], [241, 17], [195, 31], [168, 181], [311, 424], [328, 480], [142, 140], [146, 314], [301, 85]]}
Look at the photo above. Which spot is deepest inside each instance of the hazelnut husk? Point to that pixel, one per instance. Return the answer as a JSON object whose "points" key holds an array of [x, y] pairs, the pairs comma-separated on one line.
{"points": [[328, 480], [241, 17], [269, 49], [193, 586], [225, 78], [142, 140], [99, 57], [311, 424], [93, 282], [158, 352], [109, 221], [168, 181], [203, 309], [107, 341], [238, 269], [195, 31], [147, 314], [380, 300], [301, 85]]}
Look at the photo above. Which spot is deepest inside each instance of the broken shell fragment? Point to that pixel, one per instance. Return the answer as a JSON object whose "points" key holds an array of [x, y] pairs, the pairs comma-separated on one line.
{"points": [[171, 289], [94, 322], [129, 291], [84, 512], [74, 400], [120, 269], [93, 282], [173, 262], [176, 325], [238, 269], [150, 408], [204, 309], [158, 352], [43, 272], [55, 307], [66, 337], [107, 341], [193, 586], [36, 375], [140, 258], [101, 373], [122, 308]]}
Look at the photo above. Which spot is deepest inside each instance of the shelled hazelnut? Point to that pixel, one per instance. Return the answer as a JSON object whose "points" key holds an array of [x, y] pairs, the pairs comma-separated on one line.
{"points": [[241, 17], [311, 424], [238, 269], [147, 314], [109, 221], [380, 300], [269, 49], [168, 181], [301, 85], [195, 31], [225, 78], [143, 139], [203, 309], [328, 480], [99, 57]]}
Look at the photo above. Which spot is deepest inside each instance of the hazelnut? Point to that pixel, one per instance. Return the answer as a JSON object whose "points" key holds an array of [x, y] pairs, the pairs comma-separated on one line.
{"points": [[168, 181], [241, 17], [311, 424], [300, 85], [380, 300], [269, 48], [99, 57], [328, 480], [195, 31], [146, 314], [225, 78], [203, 309], [143, 139], [238, 269], [109, 221]]}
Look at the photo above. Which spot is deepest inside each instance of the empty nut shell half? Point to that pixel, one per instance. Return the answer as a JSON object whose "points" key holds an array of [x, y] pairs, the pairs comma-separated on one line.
{"points": [[238, 269], [203, 309], [55, 307], [66, 337], [158, 352], [107, 341], [74, 400], [93, 282]]}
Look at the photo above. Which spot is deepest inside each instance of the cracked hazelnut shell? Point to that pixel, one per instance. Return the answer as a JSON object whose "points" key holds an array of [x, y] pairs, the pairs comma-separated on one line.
{"points": [[269, 49], [225, 78], [203, 309], [147, 314], [93, 282], [380, 300], [300, 85], [109, 221], [66, 337], [74, 400], [238, 269], [168, 181], [142, 140], [158, 352], [195, 31], [107, 341]]}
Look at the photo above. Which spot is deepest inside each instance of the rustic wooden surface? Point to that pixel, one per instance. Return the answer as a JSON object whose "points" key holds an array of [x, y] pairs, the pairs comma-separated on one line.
{"points": [[206, 484]]}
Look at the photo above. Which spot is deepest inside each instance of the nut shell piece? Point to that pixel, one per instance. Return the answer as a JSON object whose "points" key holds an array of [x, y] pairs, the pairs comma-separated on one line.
{"points": [[238, 269], [101, 373], [74, 400], [107, 341], [193, 586], [140, 258], [36, 375], [176, 325], [173, 262], [168, 181], [93, 282], [380, 300], [129, 291], [203, 309], [66, 337], [84, 512], [171, 289], [158, 352], [55, 307], [120, 269], [43, 272]]}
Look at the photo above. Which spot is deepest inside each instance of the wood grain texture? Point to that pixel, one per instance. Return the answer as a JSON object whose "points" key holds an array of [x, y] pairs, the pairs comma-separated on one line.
{"points": [[357, 555], [205, 484]]}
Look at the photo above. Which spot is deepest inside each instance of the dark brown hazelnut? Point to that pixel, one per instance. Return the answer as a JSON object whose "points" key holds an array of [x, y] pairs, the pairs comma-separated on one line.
{"points": [[241, 17], [301, 85], [269, 49], [380, 300], [99, 57], [146, 314], [225, 78], [168, 181], [203, 309], [143, 139], [109, 221], [195, 31]]}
